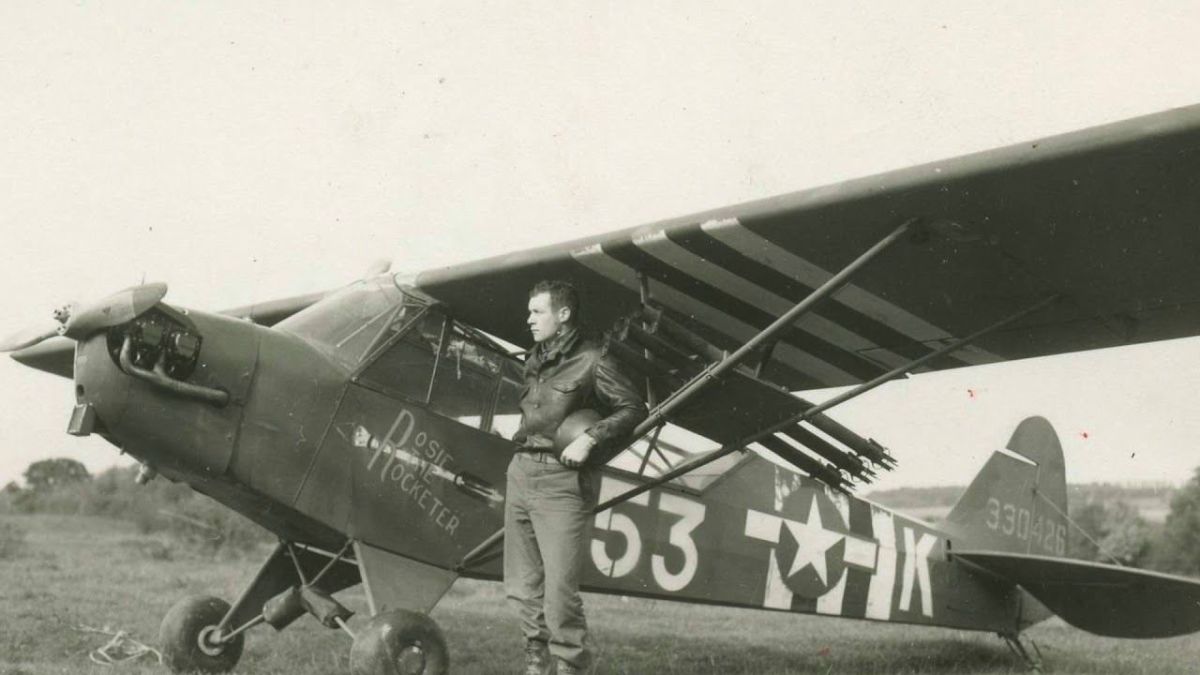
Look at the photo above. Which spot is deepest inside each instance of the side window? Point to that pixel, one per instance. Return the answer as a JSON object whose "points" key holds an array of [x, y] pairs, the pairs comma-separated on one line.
{"points": [[457, 373], [465, 384], [507, 416], [406, 366]]}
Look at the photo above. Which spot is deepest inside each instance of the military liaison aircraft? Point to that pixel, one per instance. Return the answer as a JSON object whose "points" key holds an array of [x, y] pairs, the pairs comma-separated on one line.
{"points": [[368, 427]]}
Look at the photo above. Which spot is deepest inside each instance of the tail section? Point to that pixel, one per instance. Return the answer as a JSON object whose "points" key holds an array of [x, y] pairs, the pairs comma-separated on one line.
{"points": [[1012, 522], [1018, 502]]}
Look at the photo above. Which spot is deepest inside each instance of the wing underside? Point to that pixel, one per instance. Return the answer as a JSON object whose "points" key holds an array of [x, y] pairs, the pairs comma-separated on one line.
{"points": [[1104, 218]]}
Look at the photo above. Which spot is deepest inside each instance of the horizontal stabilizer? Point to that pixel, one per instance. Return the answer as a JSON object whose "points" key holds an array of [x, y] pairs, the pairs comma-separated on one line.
{"points": [[1102, 599]]}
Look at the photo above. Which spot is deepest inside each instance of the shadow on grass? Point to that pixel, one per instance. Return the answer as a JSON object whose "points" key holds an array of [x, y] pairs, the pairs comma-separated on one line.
{"points": [[641, 655], [489, 643]]}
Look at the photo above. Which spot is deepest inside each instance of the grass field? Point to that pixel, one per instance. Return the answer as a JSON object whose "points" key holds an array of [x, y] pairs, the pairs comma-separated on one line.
{"points": [[72, 573]]}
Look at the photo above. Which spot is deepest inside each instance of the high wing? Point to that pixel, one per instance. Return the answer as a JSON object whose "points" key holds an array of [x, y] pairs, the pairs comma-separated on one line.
{"points": [[273, 311], [1104, 219], [1100, 221]]}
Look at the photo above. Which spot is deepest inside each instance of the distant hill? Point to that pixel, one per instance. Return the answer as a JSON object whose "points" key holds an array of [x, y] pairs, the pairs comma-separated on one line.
{"points": [[1152, 500]]}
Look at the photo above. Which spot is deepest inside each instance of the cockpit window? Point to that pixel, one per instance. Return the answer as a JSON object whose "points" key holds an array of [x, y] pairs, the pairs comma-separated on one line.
{"points": [[506, 418], [456, 371], [465, 385], [350, 322], [405, 367]]}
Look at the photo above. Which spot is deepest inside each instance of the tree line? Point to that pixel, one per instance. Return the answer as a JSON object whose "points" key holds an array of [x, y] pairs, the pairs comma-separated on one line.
{"points": [[1104, 526], [186, 519]]}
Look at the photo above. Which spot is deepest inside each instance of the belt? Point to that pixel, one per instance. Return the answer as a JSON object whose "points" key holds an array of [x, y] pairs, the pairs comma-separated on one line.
{"points": [[540, 456]]}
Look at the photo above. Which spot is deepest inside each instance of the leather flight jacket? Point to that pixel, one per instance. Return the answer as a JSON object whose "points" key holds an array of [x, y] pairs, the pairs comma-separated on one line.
{"points": [[568, 373]]}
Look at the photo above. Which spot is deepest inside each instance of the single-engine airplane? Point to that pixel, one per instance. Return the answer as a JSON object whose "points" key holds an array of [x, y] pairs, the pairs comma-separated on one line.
{"points": [[368, 427]]}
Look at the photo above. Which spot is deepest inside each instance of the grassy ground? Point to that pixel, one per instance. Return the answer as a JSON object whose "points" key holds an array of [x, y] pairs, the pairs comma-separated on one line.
{"points": [[71, 573]]}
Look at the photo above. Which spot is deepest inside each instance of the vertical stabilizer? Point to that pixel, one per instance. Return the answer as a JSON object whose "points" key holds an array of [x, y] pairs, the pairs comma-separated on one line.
{"points": [[1018, 502]]}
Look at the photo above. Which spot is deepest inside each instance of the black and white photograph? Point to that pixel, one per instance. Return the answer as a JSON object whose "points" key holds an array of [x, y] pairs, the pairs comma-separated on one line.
{"points": [[387, 338]]}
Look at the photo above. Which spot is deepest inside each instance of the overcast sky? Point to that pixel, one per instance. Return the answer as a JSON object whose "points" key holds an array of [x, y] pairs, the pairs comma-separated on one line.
{"points": [[242, 153]]}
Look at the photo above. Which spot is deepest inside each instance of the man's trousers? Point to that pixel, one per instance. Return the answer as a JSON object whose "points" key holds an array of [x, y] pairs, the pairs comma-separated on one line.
{"points": [[547, 527]]}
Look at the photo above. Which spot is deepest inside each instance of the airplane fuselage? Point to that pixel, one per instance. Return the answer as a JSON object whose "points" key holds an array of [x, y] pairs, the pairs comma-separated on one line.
{"points": [[320, 452]]}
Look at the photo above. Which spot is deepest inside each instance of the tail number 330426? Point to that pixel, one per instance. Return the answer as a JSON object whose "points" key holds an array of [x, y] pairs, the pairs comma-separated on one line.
{"points": [[680, 536]]}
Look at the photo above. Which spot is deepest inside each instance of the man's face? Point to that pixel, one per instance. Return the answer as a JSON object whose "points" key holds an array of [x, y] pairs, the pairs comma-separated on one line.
{"points": [[544, 321]]}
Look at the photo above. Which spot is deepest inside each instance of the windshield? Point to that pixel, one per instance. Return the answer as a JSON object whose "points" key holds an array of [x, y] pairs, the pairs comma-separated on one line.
{"points": [[347, 323]]}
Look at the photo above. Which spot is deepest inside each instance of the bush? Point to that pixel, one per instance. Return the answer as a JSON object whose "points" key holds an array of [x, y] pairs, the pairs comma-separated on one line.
{"points": [[51, 473], [1178, 549], [1117, 533], [187, 517]]}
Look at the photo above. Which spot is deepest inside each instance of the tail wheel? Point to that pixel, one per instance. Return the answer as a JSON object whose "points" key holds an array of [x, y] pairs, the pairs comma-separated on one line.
{"points": [[400, 642], [187, 633]]}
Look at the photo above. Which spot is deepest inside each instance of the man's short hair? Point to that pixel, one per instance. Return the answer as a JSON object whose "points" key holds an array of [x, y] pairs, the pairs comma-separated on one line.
{"points": [[562, 294]]}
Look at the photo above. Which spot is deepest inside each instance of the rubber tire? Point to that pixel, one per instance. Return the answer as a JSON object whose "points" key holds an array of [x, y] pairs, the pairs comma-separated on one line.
{"points": [[179, 636], [387, 639]]}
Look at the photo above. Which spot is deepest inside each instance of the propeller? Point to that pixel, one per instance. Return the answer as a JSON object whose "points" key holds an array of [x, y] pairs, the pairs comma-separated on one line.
{"points": [[80, 321], [28, 337]]}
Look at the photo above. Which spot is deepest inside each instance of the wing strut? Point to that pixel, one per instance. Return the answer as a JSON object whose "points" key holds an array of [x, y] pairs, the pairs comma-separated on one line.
{"points": [[651, 449], [716, 370], [810, 413]]}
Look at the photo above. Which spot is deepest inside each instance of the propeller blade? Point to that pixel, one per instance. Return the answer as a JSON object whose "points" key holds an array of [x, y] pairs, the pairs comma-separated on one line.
{"points": [[122, 306], [55, 356], [28, 337]]}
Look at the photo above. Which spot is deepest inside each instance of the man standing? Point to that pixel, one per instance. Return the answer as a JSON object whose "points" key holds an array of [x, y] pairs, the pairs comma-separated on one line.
{"points": [[552, 490]]}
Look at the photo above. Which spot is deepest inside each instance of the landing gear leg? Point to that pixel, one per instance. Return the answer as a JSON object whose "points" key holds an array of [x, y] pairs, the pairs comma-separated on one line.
{"points": [[1032, 660], [204, 634]]}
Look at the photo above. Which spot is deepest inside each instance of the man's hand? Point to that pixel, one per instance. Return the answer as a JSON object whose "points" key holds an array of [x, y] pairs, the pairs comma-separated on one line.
{"points": [[575, 454]]}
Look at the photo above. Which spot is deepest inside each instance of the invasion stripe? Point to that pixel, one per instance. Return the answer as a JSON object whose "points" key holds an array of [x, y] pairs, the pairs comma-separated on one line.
{"points": [[858, 584], [860, 519], [703, 244], [858, 581], [851, 365], [660, 246], [815, 372], [735, 235], [833, 599], [831, 602], [883, 581]]}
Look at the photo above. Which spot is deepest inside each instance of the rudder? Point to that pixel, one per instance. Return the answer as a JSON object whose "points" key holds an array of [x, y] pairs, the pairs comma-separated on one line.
{"points": [[1018, 501]]}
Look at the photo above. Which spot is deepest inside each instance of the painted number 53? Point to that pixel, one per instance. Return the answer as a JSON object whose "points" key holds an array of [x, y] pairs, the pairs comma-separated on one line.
{"points": [[690, 514]]}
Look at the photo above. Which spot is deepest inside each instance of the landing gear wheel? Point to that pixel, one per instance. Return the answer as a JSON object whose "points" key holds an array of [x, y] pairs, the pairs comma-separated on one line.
{"points": [[186, 633], [400, 642]]}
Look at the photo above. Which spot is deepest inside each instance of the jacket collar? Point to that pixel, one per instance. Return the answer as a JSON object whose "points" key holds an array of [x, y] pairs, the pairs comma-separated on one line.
{"points": [[562, 343]]}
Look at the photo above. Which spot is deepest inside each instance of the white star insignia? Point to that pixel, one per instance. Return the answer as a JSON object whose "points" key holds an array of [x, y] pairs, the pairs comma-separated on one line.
{"points": [[812, 542]]}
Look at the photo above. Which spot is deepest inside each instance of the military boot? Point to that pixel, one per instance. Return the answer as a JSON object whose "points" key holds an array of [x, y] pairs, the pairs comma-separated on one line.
{"points": [[537, 658], [565, 668]]}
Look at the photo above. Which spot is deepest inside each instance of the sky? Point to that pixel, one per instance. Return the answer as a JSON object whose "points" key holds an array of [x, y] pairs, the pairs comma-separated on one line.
{"points": [[246, 152]]}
